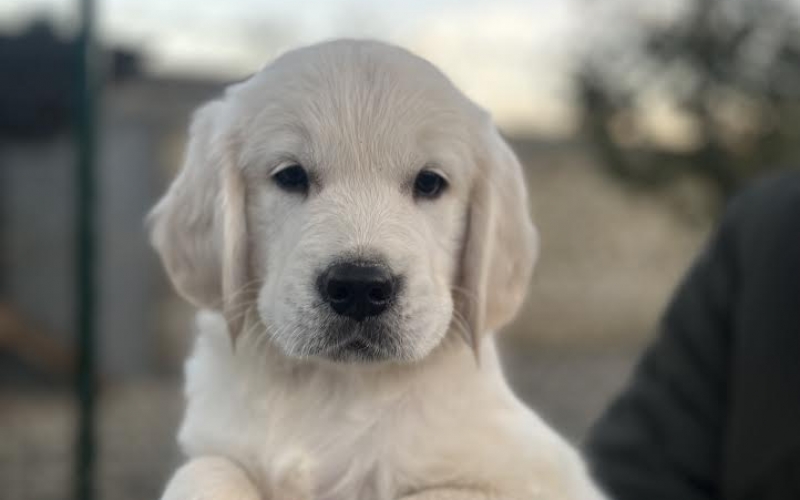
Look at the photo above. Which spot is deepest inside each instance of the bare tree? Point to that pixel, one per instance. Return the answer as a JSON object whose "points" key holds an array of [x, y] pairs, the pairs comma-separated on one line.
{"points": [[729, 68]]}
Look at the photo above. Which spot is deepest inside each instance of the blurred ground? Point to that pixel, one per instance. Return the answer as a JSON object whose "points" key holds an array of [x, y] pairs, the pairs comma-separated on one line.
{"points": [[138, 421]]}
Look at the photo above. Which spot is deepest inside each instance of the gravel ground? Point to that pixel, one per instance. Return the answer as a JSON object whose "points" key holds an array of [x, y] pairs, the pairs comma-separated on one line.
{"points": [[569, 387]]}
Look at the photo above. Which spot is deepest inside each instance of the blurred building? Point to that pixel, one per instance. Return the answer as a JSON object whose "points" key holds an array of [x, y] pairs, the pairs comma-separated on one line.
{"points": [[141, 125]]}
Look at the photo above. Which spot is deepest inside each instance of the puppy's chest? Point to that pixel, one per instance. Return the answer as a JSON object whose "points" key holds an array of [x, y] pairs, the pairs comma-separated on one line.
{"points": [[349, 449], [345, 450], [357, 436]]}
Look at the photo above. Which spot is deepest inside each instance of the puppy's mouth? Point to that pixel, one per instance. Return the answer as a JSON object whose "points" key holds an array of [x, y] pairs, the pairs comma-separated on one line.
{"points": [[356, 351], [364, 343]]}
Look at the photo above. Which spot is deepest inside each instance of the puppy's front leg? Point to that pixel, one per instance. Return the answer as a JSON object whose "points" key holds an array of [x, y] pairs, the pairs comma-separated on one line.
{"points": [[451, 494], [210, 478], [466, 494]]}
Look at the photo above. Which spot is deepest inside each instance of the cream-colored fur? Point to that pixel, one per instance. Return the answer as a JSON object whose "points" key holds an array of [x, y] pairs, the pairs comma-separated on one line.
{"points": [[270, 413]]}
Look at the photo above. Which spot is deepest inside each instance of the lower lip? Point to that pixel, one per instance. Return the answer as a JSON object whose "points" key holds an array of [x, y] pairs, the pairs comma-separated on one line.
{"points": [[357, 346]]}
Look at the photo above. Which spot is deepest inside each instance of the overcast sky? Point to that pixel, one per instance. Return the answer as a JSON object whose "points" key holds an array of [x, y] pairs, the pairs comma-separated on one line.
{"points": [[514, 57]]}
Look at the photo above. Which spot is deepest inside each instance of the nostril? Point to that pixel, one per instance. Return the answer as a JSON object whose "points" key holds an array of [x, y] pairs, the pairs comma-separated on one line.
{"points": [[338, 291], [380, 293]]}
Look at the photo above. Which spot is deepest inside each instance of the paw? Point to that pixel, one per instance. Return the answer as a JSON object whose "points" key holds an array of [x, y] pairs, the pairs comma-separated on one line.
{"points": [[291, 477]]}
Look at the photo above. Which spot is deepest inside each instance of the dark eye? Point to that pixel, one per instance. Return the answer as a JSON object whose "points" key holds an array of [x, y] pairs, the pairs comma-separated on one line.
{"points": [[292, 178], [429, 184]]}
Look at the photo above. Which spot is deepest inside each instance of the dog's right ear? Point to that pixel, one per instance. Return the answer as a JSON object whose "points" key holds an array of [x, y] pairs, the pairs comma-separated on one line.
{"points": [[187, 223], [200, 226]]}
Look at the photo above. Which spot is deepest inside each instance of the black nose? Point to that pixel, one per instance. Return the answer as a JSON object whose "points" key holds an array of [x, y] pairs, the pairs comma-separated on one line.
{"points": [[357, 290]]}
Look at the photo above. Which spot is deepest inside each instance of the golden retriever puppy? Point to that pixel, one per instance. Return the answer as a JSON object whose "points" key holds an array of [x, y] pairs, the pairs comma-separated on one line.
{"points": [[354, 229]]}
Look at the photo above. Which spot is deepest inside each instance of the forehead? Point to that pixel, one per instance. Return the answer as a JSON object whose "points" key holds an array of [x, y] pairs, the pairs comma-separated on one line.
{"points": [[356, 104]]}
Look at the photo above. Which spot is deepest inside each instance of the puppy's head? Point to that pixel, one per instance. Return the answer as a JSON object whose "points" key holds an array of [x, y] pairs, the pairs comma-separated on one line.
{"points": [[352, 203]]}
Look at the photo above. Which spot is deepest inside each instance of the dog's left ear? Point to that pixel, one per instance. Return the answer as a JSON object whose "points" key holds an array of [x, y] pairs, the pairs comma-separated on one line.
{"points": [[501, 243]]}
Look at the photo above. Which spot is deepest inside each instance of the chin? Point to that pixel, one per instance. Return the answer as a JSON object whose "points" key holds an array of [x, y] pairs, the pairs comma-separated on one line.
{"points": [[365, 342], [368, 342], [358, 351]]}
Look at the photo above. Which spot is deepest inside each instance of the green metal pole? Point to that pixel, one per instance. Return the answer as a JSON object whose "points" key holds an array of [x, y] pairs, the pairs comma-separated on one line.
{"points": [[86, 139]]}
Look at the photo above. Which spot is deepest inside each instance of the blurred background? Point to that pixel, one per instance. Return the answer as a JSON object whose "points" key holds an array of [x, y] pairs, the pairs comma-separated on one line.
{"points": [[635, 122]]}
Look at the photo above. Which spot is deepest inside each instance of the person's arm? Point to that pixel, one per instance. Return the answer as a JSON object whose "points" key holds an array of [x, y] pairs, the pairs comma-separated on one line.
{"points": [[662, 438]]}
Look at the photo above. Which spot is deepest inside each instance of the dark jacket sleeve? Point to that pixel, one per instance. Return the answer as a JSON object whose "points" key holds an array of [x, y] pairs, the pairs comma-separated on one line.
{"points": [[674, 432], [661, 439]]}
